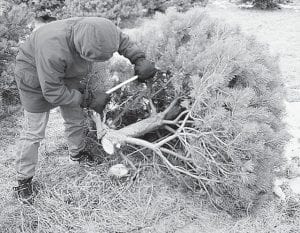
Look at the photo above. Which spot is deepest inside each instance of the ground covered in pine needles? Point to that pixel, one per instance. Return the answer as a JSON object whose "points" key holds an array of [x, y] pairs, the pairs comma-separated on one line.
{"points": [[76, 199]]}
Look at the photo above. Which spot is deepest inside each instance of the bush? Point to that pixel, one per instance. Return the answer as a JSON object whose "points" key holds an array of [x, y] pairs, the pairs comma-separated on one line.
{"points": [[229, 137], [161, 5], [265, 4], [41, 8], [123, 11], [114, 10], [13, 28]]}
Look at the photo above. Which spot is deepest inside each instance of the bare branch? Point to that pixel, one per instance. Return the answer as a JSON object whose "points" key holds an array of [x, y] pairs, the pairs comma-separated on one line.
{"points": [[128, 161], [181, 115], [166, 140], [170, 129], [175, 154], [170, 107], [101, 127], [181, 170], [152, 107]]}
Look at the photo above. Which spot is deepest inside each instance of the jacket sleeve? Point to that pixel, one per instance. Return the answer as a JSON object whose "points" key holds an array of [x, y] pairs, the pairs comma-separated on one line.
{"points": [[50, 68], [129, 49]]}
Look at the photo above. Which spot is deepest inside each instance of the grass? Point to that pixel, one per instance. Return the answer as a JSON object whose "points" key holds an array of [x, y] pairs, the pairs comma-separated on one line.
{"points": [[76, 199]]}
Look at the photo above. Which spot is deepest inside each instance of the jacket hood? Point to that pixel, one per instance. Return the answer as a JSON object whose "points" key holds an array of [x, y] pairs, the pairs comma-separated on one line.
{"points": [[96, 39]]}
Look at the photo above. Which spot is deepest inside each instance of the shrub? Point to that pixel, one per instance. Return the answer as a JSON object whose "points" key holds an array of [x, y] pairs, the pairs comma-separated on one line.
{"points": [[41, 8], [115, 10], [123, 11], [161, 5], [13, 28], [265, 4], [228, 136]]}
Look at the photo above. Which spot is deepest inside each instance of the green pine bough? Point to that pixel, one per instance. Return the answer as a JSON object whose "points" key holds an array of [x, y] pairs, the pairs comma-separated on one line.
{"points": [[13, 29], [214, 117]]}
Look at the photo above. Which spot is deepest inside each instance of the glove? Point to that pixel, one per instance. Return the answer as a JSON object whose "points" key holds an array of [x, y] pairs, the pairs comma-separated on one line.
{"points": [[99, 102], [144, 69], [87, 96]]}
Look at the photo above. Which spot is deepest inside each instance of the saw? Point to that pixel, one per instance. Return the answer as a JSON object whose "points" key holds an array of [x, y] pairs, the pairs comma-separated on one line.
{"points": [[121, 84], [129, 81]]}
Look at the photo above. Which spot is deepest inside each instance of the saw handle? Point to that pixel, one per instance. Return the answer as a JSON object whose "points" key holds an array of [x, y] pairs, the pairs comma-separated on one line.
{"points": [[128, 81], [121, 84]]}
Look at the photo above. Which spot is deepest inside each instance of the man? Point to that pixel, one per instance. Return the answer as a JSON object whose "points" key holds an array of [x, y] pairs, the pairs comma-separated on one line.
{"points": [[49, 67]]}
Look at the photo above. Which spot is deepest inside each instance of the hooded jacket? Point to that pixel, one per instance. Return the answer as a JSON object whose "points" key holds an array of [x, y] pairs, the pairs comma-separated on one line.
{"points": [[55, 57]]}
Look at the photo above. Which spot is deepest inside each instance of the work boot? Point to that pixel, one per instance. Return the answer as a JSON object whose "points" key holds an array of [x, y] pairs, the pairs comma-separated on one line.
{"points": [[83, 158], [24, 191]]}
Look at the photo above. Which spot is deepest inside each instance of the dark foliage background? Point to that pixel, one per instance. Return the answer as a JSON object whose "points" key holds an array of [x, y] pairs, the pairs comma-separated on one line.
{"points": [[14, 26]]}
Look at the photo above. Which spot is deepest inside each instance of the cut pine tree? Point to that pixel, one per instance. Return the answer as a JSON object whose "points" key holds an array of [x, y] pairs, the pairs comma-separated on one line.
{"points": [[218, 110]]}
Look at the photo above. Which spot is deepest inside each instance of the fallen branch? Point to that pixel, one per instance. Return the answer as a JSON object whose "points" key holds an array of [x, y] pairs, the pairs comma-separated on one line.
{"points": [[101, 127], [116, 138]]}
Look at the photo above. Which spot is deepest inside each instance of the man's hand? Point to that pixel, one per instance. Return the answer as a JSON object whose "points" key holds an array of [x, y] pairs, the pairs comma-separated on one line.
{"points": [[99, 102], [144, 69]]}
